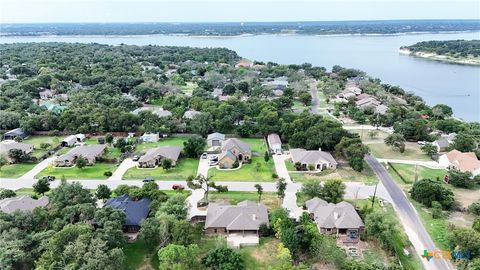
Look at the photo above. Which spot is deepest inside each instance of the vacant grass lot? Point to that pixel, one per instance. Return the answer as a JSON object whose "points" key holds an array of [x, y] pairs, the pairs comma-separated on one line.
{"points": [[408, 172], [412, 152], [15, 170], [171, 141], [185, 167], [299, 107], [343, 172], [270, 199], [365, 134], [248, 172], [38, 140], [71, 173], [138, 255]]}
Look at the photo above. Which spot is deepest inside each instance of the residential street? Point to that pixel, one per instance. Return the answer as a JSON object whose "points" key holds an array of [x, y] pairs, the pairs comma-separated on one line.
{"points": [[38, 168], [411, 222], [315, 100]]}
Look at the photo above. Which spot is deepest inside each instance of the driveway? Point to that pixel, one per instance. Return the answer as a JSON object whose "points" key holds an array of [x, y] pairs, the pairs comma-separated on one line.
{"points": [[290, 200], [409, 217], [38, 168], [122, 169], [203, 167], [192, 200]]}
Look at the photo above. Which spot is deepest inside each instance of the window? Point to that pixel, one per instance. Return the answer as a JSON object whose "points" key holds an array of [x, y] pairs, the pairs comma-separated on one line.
{"points": [[215, 230]]}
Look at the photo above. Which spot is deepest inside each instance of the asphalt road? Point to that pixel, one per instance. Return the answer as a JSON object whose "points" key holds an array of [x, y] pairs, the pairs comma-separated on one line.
{"points": [[408, 215]]}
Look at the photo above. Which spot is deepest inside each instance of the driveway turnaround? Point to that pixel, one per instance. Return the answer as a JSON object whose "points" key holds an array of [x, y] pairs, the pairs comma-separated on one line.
{"points": [[408, 216], [38, 168]]}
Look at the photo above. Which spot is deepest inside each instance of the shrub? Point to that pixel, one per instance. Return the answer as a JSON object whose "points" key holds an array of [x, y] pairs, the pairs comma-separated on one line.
{"points": [[426, 191], [108, 173], [274, 175], [474, 208], [436, 210]]}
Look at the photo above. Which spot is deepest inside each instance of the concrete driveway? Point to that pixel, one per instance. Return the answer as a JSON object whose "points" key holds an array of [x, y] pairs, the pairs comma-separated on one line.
{"points": [[290, 200], [38, 168], [122, 169], [192, 200], [203, 166]]}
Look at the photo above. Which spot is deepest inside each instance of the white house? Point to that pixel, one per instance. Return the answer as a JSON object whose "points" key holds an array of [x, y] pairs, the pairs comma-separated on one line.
{"points": [[274, 143], [150, 137], [73, 139], [320, 160]]}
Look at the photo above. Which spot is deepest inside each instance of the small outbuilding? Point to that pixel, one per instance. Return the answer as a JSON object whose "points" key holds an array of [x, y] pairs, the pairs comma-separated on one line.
{"points": [[15, 133], [274, 143]]}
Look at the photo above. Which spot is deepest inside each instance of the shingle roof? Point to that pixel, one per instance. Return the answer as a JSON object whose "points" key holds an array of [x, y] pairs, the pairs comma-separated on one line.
{"points": [[190, 114], [135, 211], [234, 142], [216, 136], [16, 132], [25, 147], [170, 152], [328, 215], [274, 138], [442, 142], [311, 156], [22, 203], [463, 161], [246, 215], [227, 153], [90, 152]]}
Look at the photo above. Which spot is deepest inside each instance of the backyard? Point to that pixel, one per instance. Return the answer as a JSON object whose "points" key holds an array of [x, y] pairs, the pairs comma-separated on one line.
{"points": [[343, 171], [270, 199], [257, 145], [405, 173], [15, 170], [171, 141], [412, 152], [71, 173], [36, 141], [248, 172], [185, 167]]}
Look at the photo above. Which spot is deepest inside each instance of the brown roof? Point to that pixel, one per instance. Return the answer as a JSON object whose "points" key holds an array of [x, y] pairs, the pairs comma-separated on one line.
{"points": [[463, 161]]}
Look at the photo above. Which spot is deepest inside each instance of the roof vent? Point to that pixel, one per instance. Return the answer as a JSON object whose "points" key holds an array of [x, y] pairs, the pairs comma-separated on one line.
{"points": [[254, 217], [336, 215]]}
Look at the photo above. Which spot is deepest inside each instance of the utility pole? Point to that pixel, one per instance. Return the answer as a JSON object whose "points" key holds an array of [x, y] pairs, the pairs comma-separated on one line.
{"points": [[374, 194], [415, 173]]}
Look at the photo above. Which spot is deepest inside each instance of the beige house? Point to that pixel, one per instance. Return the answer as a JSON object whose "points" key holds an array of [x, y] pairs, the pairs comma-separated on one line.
{"points": [[320, 160], [234, 150], [339, 219], [154, 156], [91, 153]]}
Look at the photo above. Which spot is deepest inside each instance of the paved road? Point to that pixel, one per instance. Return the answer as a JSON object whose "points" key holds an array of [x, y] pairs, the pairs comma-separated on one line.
{"points": [[38, 168], [314, 94], [409, 217]]}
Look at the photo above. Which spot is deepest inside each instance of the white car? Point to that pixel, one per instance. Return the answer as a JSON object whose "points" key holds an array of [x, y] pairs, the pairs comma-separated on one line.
{"points": [[204, 156], [422, 142], [213, 163]]}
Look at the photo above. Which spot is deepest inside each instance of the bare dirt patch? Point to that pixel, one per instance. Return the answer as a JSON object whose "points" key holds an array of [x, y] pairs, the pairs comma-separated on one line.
{"points": [[466, 196]]}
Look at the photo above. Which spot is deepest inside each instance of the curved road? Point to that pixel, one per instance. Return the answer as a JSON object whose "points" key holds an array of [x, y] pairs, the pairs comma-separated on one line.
{"points": [[408, 215]]}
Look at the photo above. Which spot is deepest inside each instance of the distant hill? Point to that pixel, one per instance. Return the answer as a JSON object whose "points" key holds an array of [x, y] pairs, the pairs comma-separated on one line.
{"points": [[231, 29], [458, 51]]}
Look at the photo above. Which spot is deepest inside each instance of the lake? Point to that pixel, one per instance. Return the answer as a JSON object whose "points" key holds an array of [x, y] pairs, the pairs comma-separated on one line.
{"points": [[437, 82]]}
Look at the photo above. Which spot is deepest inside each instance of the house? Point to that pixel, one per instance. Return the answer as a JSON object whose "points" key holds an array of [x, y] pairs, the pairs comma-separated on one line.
{"points": [[53, 107], [234, 150], [239, 223], [319, 159], [465, 162], [14, 133], [444, 142], [279, 83], [150, 137], [46, 94], [160, 112], [135, 211], [154, 156], [6, 146], [72, 140], [22, 203], [245, 63], [215, 139], [227, 159], [339, 219], [274, 143], [91, 153], [381, 109], [190, 114]]}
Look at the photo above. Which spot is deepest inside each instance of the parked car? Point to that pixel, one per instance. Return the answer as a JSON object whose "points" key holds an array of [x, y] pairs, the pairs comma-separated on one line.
{"points": [[204, 156], [49, 178], [213, 162], [136, 158], [214, 158], [422, 142], [148, 179], [178, 187]]}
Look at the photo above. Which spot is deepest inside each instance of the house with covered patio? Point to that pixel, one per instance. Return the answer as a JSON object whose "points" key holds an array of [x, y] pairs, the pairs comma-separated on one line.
{"points": [[318, 160], [154, 156]]}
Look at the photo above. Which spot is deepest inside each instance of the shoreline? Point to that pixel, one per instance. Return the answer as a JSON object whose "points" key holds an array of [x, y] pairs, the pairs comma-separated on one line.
{"points": [[441, 58], [2, 35]]}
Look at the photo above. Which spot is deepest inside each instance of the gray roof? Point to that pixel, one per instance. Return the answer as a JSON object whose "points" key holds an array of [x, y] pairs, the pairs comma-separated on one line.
{"points": [[227, 153], [70, 139], [25, 147], [160, 112], [22, 203], [328, 215], [89, 152], [234, 142], [274, 138], [311, 156], [246, 215], [135, 211], [170, 152], [15, 132], [216, 136], [381, 109], [442, 142], [190, 114]]}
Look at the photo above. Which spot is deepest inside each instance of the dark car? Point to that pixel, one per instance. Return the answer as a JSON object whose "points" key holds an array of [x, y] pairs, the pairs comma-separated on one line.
{"points": [[49, 178], [148, 179], [178, 187], [136, 158]]}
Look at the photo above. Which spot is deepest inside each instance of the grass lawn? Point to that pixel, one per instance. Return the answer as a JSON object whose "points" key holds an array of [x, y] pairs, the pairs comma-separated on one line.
{"points": [[257, 145], [188, 89], [268, 198], [185, 167], [364, 134], [171, 141], [412, 152], [71, 173], [343, 172], [436, 228], [261, 256], [248, 172], [15, 170], [408, 172], [299, 107], [38, 140], [138, 255]]}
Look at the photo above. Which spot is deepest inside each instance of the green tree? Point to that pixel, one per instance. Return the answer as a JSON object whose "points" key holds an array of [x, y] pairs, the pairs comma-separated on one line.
{"points": [[178, 257], [426, 191], [223, 258], [464, 142], [18, 155], [430, 150], [333, 191], [312, 189], [3, 161], [460, 179], [436, 210], [41, 186], [396, 141], [281, 187], [465, 239], [6, 193], [201, 124], [45, 146], [474, 208], [476, 224], [103, 192], [80, 162], [109, 138], [184, 233], [305, 98], [176, 206], [259, 191], [266, 157], [194, 146], [166, 164]]}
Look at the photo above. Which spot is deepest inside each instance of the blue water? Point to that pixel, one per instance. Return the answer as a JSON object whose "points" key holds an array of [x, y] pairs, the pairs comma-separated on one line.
{"points": [[437, 82]]}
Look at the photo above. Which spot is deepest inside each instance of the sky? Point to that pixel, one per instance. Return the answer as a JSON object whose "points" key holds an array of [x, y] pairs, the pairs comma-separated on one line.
{"points": [[41, 11]]}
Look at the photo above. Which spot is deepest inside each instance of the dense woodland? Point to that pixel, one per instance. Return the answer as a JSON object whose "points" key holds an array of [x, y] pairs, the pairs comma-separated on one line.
{"points": [[231, 29], [456, 48]]}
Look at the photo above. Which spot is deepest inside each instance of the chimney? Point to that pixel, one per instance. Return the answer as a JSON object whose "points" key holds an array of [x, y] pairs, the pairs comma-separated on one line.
{"points": [[254, 217], [336, 215]]}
